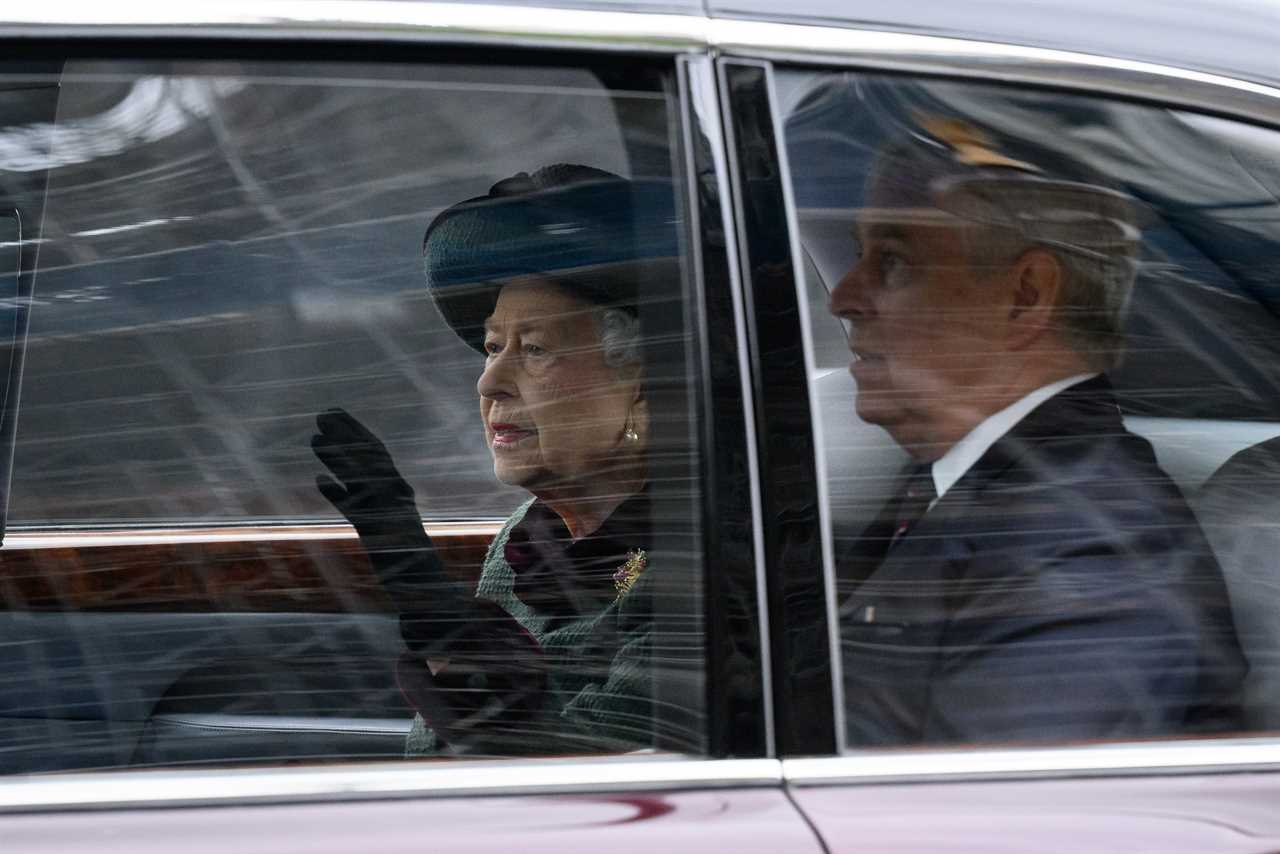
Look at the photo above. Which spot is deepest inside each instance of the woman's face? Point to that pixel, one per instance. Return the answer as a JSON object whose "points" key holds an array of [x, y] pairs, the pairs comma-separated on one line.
{"points": [[554, 413]]}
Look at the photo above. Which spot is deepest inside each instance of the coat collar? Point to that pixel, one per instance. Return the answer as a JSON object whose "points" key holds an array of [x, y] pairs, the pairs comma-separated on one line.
{"points": [[562, 577], [1087, 410]]}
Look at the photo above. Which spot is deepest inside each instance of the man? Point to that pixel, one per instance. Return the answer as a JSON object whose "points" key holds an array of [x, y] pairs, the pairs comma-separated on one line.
{"points": [[1038, 576]]}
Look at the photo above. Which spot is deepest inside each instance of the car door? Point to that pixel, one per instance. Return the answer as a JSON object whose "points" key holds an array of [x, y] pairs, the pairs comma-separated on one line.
{"points": [[231, 245], [1198, 154]]}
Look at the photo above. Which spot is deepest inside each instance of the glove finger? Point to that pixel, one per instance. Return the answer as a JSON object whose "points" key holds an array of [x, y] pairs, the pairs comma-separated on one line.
{"points": [[355, 466], [360, 458], [344, 427], [333, 491], [338, 459], [418, 687]]}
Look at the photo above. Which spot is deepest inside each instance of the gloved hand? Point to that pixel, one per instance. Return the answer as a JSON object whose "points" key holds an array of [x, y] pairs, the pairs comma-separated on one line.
{"points": [[493, 670], [485, 698], [369, 490], [380, 505]]}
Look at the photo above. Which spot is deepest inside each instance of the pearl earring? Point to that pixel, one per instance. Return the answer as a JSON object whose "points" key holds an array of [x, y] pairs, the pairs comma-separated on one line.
{"points": [[630, 434]]}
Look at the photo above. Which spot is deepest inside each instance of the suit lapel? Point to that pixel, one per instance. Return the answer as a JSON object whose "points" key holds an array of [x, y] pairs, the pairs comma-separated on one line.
{"points": [[1087, 408]]}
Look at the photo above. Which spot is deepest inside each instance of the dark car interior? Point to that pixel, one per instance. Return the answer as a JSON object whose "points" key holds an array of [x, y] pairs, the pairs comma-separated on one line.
{"points": [[1199, 378]]}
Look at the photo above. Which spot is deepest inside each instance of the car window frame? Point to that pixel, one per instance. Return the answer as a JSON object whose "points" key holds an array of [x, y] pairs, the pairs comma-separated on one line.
{"points": [[735, 758], [698, 39], [886, 53]]}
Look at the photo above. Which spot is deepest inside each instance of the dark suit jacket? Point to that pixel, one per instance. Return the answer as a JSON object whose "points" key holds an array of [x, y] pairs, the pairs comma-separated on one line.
{"points": [[1061, 589]]}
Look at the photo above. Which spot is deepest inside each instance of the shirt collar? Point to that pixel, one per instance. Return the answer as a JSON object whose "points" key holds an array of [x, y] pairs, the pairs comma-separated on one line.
{"points": [[952, 465]]}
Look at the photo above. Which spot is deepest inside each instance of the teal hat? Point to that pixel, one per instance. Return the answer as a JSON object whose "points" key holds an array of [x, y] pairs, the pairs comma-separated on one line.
{"points": [[594, 233]]}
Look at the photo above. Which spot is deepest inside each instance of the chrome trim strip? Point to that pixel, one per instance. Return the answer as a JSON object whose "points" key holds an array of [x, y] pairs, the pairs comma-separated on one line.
{"points": [[25, 540], [384, 20], [397, 728], [1094, 760], [141, 788], [1090, 73]]}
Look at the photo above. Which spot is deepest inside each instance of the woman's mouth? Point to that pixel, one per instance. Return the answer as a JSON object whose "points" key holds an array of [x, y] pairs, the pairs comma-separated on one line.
{"points": [[509, 435]]}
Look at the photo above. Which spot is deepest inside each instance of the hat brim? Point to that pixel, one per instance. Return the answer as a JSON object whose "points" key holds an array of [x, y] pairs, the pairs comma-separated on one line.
{"points": [[467, 307]]}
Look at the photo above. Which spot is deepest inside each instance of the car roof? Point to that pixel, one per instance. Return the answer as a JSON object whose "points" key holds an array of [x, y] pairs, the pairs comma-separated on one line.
{"points": [[1232, 37]]}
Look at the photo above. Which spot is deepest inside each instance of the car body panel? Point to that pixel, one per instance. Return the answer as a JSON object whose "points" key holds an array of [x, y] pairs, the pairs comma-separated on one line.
{"points": [[740, 820], [1225, 813]]}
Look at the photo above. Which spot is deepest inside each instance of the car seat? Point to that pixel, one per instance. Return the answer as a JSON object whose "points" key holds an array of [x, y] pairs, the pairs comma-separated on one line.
{"points": [[1239, 509]]}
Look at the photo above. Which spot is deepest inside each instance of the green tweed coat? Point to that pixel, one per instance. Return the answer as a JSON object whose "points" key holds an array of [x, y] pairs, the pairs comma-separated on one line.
{"points": [[599, 689]]}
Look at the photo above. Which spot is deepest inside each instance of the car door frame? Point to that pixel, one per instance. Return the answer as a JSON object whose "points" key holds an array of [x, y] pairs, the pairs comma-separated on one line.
{"points": [[831, 785], [739, 756]]}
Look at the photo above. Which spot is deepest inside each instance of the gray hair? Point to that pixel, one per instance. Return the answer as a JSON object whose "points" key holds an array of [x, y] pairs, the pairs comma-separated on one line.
{"points": [[620, 337], [1098, 277]]}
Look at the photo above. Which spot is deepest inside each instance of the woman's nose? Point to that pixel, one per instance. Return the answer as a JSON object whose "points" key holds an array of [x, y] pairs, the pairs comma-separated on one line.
{"points": [[496, 379]]}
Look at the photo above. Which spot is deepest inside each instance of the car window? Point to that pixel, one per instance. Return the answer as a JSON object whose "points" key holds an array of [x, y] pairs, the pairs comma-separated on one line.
{"points": [[355, 419], [1042, 338]]}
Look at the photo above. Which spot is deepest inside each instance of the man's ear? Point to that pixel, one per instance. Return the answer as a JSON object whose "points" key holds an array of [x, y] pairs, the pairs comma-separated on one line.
{"points": [[1037, 286]]}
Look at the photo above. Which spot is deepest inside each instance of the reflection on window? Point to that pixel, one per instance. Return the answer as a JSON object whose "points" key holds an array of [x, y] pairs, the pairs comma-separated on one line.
{"points": [[1043, 340], [347, 427]]}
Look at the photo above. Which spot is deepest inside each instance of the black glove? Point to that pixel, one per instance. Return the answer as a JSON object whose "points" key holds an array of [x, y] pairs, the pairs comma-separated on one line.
{"points": [[369, 490], [380, 505], [491, 689], [495, 670]]}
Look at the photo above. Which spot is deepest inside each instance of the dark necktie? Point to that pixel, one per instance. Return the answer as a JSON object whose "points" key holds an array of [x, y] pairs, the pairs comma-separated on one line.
{"points": [[917, 493], [900, 513]]}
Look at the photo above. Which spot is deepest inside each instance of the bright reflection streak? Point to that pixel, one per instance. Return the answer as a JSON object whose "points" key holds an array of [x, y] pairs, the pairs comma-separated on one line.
{"points": [[156, 107], [95, 232]]}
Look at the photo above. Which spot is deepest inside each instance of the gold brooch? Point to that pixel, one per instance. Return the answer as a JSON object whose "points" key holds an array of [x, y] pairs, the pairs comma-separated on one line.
{"points": [[625, 578]]}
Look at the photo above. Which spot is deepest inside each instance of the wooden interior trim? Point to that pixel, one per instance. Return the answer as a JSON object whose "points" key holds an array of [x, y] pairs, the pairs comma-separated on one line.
{"points": [[292, 568]]}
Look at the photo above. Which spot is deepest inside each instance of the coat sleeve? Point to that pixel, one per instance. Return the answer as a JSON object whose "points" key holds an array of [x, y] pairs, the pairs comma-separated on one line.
{"points": [[583, 688]]}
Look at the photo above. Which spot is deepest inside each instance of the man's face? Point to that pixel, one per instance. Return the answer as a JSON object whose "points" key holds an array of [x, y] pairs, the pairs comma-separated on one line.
{"points": [[925, 326]]}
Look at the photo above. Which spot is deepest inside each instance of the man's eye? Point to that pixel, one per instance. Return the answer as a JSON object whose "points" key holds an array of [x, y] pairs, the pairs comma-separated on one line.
{"points": [[893, 270]]}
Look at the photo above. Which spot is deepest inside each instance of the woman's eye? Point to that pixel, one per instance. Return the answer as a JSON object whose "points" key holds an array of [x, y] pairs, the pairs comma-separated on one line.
{"points": [[492, 348], [534, 351]]}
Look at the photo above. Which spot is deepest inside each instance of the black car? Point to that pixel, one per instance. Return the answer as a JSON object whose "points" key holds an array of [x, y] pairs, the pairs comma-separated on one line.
{"points": [[212, 229]]}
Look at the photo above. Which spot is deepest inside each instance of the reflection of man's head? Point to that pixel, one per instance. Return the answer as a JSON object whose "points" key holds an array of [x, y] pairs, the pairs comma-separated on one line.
{"points": [[980, 278]]}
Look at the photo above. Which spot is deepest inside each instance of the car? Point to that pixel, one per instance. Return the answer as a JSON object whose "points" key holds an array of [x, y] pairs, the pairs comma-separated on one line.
{"points": [[212, 225]]}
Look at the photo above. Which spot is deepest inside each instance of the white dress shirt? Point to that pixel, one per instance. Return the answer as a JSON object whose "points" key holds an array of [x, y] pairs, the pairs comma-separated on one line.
{"points": [[952, 465]]}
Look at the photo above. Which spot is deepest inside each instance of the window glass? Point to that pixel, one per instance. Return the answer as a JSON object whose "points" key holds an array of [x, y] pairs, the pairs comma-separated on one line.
{"points": [[284, 314], [1043, 331]]}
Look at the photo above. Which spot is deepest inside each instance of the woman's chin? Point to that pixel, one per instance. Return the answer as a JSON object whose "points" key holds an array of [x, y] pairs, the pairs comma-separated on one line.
{"points": [[512, 473]]}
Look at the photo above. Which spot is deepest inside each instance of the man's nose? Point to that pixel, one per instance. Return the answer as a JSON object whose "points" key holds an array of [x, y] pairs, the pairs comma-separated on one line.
{"points": [[851, 297], [497, 379]]}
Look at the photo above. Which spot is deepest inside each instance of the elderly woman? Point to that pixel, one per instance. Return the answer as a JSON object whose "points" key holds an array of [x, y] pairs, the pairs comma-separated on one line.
{"points": [[549, 652]]}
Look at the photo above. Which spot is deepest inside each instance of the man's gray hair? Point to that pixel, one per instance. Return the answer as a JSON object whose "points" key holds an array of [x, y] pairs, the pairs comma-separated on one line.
{"points": [[1098, 270], [1011, 206]]}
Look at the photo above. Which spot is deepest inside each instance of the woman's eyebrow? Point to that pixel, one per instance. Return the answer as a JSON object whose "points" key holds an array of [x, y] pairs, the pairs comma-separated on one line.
{"points": [[520, 325]]}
